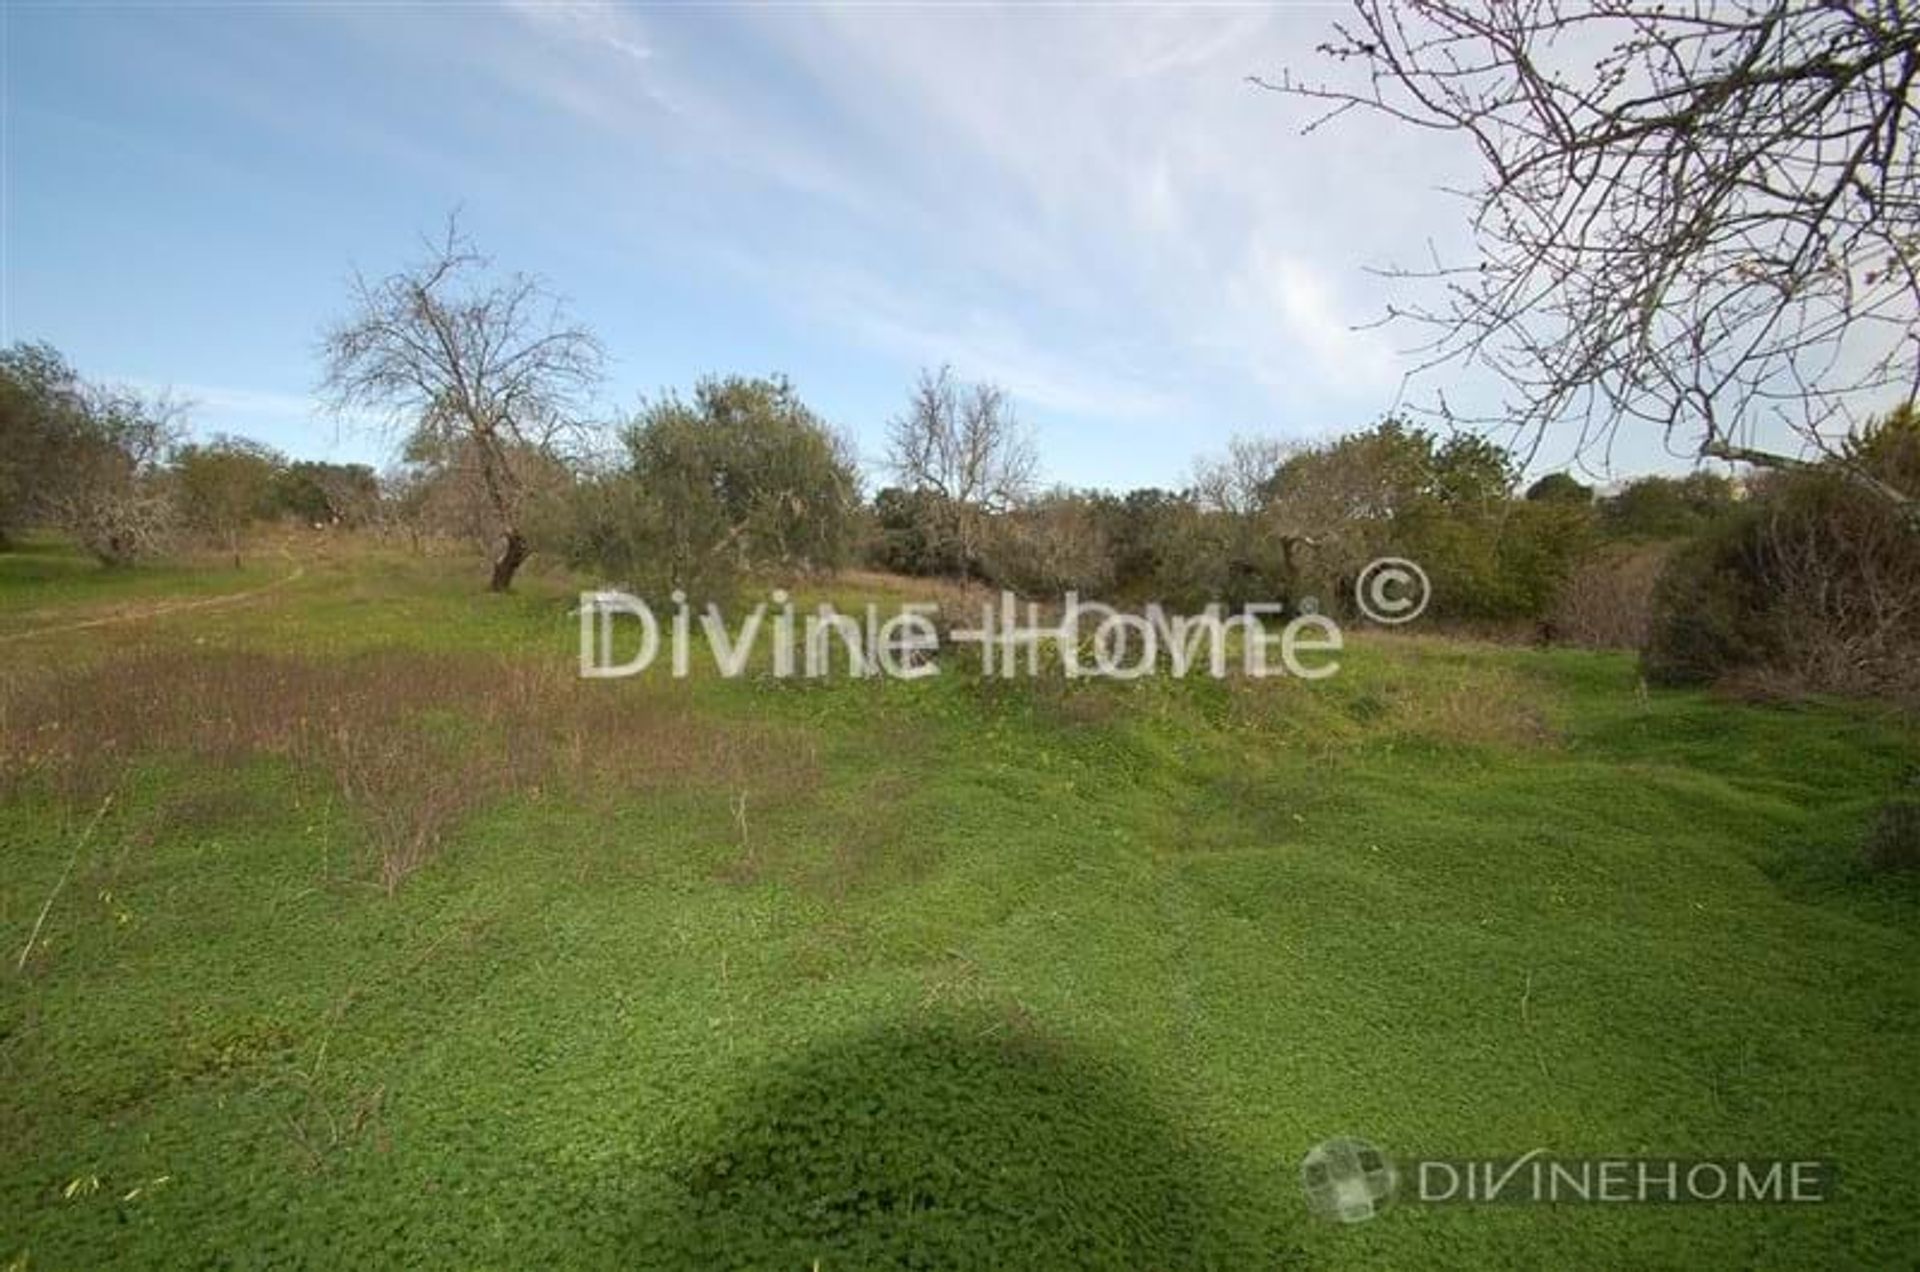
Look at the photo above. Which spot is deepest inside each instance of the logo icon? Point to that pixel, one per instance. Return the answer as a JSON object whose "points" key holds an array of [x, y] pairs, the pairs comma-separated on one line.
{"points": [[1347, 1180], [1392, 590]]}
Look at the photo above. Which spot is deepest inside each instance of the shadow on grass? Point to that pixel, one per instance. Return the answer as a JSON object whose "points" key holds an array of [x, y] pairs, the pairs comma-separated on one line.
{"points": [[957, 1144]]}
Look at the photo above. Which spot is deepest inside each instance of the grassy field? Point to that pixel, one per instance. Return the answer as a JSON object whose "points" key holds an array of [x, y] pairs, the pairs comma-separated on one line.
{"points": [[368, 935]]}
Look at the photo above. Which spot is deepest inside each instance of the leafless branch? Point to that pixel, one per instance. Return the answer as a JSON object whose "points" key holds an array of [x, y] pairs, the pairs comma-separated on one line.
{"points": [[466, 362], [1697, 216]]}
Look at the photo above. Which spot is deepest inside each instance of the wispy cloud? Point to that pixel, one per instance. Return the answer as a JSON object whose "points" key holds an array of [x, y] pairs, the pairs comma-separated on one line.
{"points": [[1082, 204]]}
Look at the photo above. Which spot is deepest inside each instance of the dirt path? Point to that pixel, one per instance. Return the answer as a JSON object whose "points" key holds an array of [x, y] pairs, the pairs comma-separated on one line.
{"points": [[156, 609]]}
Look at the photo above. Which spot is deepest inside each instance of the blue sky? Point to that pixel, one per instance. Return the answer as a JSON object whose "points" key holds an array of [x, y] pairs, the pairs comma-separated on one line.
{"points": [[1087, 205]]}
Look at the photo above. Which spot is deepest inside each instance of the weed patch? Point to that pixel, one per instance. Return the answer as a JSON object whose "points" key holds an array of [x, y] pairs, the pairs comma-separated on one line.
{"points": [[409, 743]]}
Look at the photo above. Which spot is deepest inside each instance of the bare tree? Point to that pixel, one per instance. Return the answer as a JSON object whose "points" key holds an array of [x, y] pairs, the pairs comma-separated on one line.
{"points": [[1240, 482], [1257, 543], [1697, 216], [104, 483], [483, 367], [963, 443]]}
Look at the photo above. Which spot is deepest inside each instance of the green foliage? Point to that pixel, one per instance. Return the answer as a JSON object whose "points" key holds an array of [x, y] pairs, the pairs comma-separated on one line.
{"points": [[1496, 561], [1559, 488], [42, 414], [80, 456], [1706, 606], [1469, 470], [1446, 504], [1815, 583], [912, 534], [1051, 545], [320, 493], [1889, 448], [1142, 529], [1667, 507], [224, 485], [743, 476]]}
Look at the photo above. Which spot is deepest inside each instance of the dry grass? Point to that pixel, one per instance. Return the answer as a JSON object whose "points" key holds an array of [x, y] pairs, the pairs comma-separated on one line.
{"points": [[1488, 708], [955, 599], [1436, 697], [408, 742]]}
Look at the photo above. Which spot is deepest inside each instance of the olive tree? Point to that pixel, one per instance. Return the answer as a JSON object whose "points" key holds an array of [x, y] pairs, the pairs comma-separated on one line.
{"points": [[741, 476], [84, 457]]}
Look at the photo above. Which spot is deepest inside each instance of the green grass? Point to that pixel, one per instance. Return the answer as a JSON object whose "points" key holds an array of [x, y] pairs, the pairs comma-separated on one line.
{"points": [[45, 580], [992, 976]]}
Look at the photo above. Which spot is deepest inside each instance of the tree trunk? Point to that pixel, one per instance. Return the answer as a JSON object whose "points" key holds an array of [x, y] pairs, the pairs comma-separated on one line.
{"points": [[507, 564]]}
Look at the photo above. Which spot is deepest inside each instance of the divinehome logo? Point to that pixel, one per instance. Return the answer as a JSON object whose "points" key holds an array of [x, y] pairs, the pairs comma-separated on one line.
{"points": [[1350, 1181], [1089, 638]]}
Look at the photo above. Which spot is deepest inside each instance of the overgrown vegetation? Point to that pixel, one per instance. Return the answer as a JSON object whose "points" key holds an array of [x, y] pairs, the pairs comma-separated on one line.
{"points": [[1810, 587], [742, 973], [742, 477], [406, 743], [1787, 582]]}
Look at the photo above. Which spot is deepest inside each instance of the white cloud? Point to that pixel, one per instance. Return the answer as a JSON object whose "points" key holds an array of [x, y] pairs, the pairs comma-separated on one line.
{"points": [[1089, 205], [1291, 316], [980, 344], [1114, 168]]}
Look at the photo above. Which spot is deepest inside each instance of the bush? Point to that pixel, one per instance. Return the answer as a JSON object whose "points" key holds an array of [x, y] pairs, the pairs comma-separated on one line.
{"points": [[320, 493], [1048, 547], [1607, 601], [223, 486], [744, 476], [1668, 507], [1893, 844], [1708, 609], [84, 457], [1816, 584], [1560, 488], [913, 534]]}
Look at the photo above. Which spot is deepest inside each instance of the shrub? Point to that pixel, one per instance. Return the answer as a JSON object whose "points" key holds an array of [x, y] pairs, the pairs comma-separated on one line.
{"points": [[1050, 546], [1607, 600], [1816, 584], [1708, 608], [744, 476], [1560, 488], [1893, 843], [223, 486], [320, 493], [913, 534]]}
